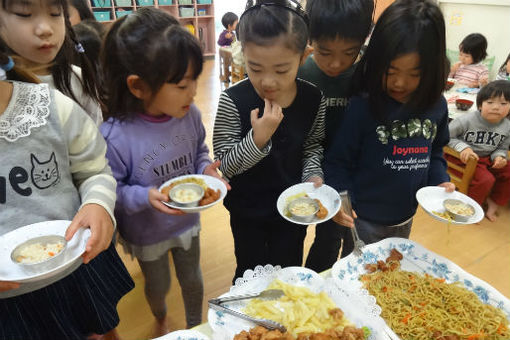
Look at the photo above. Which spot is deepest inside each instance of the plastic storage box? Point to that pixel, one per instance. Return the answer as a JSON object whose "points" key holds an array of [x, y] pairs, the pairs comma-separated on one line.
{"points": [[101, 3], [186, 12], [102, 15], [204, 2], [123, 3], [201, 12], [185, 2], [145, 2], [120, 14], [164, 2]]}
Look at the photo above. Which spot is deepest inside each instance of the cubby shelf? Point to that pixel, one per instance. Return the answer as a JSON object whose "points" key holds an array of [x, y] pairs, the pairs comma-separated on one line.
{"points": [[197, 17]]}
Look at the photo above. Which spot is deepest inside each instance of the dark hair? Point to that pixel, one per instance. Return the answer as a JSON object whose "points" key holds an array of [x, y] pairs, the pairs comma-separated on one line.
{"points": [[149, 43], [503, 66], [61, 69], [265, 20], [82, 6], [17, 73], [476, 45], [228, 19], [406, 26], [346, 19], [496, 88], [89, 37]]}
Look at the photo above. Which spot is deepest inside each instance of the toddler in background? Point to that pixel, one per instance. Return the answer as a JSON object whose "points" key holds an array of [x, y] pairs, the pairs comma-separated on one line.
{"points": [[504, 70], [225, 40], [338, 29], [484, 136], [155, 133], [268, 134], [49, 49], [391, 140], [470, 70]]}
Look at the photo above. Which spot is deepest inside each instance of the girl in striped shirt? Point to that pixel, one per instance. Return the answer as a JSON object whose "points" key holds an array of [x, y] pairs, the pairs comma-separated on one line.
{"points": [[470, 70]]}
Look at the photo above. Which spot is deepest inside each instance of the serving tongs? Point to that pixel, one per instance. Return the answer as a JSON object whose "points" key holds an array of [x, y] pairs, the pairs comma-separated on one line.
{"points": [[347, 208], [270, 294]]}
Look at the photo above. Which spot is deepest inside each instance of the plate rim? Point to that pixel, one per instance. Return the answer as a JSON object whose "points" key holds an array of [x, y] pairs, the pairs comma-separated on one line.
{"points": [[223, 190], [471, 201], [280, 197], [49, 273]]}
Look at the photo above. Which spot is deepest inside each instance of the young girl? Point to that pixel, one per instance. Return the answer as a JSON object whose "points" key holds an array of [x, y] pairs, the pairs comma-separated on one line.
{"points": [[268, 135], [39, 34], [484, 135], [155, 133], [470, 70], [390, 144], [504, 70], [41, 129]]}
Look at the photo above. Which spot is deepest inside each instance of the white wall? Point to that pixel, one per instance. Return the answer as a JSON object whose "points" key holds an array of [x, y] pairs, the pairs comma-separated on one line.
{"points": [[488, 17]]}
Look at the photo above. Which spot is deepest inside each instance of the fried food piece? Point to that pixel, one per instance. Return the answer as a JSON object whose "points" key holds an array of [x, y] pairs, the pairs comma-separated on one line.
{"points": [[210, 196], [166, 190], [323, 212], [336, 313], [395, 255]]}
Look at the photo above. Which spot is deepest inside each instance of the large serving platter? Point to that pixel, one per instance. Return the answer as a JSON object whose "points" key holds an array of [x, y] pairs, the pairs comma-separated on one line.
{"points": [[346, 272], [225, 326]]}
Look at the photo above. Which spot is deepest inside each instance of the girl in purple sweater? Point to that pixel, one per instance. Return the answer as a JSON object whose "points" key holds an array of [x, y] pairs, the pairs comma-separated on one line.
{"points": [[155, 133]]}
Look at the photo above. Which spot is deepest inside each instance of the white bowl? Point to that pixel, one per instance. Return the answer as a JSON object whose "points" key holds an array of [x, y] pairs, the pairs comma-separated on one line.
{"points": [[43, 265], [173, 194]]}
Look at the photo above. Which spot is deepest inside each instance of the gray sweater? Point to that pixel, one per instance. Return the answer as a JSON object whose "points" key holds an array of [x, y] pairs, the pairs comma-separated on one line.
{"points": [[485, 139], [53, 162]]}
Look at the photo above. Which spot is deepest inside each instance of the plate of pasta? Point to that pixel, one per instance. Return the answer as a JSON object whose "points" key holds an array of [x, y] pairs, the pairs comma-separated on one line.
{"points": [[423, 295], [308, 305]]}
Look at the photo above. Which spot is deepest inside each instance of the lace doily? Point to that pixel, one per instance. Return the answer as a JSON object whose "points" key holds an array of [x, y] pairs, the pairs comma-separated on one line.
{"points": [[28, 109]]}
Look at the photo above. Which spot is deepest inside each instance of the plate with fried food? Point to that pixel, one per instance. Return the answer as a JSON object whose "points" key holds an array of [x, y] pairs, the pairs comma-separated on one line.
{"points": [[211, 190], [305, 204]]}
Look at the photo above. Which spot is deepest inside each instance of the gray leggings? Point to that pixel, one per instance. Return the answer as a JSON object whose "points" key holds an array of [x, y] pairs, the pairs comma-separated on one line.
{"points": [[371, 232], [189, 274]]}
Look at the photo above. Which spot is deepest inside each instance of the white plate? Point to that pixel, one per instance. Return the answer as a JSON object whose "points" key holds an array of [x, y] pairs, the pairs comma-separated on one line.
{"points": [[327, 195], [212, 182], [431, 199], [186, 334], [346, 272], [10, 271], [225, 326]]}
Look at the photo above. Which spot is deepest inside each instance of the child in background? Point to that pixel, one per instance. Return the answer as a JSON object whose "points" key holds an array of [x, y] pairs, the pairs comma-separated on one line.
{"points": [[504, 70], [80, 10], [155, 133], [90, 37], [391, 140], [40, 36], [484, 136], [470, 70], [46, 129], [225, 40], [338, 29], [268, 134]]}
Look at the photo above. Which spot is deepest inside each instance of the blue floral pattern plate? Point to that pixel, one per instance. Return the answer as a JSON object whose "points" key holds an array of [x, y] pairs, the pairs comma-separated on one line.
{"points": [[346, 272], [225, 326], [187, 334]]}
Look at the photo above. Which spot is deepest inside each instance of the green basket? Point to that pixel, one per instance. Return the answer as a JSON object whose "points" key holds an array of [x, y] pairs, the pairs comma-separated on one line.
{"points": [[204, 2], [145, 2], [102, 15], [164, 2], [101, 3], [186, 12], [185, 2], [123, 3], [121, 14]]}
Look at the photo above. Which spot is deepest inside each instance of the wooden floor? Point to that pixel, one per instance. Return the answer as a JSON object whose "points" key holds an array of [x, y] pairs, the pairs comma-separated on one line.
{"points": [[482, 250]]}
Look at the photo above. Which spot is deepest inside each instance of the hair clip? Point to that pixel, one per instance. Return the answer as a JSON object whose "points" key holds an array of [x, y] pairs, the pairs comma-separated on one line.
{"points": [[8, 66], [79, 48]]}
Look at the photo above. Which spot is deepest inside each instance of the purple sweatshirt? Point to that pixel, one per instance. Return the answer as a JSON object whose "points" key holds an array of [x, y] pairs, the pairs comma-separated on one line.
{"points": [[223, 40], [146, 152]]}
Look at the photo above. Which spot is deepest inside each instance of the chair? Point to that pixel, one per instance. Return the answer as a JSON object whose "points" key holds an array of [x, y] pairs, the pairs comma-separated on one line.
{"points": [[238, 72], [225, 55], [460, 174]]}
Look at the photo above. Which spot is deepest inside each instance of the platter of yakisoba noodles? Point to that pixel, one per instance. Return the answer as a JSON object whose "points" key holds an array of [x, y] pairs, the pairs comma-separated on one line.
{"points": [[424, 296]]}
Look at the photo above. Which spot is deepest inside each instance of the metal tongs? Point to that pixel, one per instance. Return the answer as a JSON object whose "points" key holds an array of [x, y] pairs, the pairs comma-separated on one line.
{"points": [[216, 304], [347, 208]]}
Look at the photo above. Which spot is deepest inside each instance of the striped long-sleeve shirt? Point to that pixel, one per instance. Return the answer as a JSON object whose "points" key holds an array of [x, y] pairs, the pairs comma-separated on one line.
{"points": [[473, 73]]}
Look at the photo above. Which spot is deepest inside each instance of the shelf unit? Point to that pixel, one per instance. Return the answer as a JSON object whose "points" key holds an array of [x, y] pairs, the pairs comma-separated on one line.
{"points": [[196, 15]]}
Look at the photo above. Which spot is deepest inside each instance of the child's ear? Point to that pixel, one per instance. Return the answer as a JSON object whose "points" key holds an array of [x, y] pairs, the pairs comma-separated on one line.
{"points": [[138, 87], [306, 53]]}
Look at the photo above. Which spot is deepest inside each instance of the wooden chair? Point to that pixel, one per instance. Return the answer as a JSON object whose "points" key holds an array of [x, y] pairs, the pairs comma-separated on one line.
{"points": [[225, 55], [462, 174], [238, 72]]}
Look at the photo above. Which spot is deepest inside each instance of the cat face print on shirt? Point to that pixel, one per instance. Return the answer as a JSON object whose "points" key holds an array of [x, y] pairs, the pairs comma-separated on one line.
{"points": [[44, 173]]}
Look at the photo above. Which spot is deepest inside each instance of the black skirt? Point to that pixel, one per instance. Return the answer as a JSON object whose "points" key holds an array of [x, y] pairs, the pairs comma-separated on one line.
{"points": [[80, 304]]}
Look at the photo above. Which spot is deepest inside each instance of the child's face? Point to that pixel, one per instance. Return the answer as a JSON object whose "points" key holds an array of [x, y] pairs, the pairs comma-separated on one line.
{"points": [[33, 29], [465, 58], [495, 109], [334, 56], [403, 77], [232, 27], [508, 66], [272, 70], [172, 99]]}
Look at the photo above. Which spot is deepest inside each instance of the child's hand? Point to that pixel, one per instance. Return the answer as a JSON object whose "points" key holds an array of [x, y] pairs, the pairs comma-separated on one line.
{"points": [[212, 170], [6, 285], [228, 35], [448, 186], [474, 84], [343, 219], [455, 67], [155, 198], [499, 162], [96, 218], [466, 154], [316, 180], [265, 126]]}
